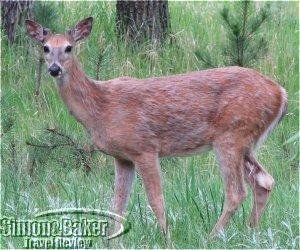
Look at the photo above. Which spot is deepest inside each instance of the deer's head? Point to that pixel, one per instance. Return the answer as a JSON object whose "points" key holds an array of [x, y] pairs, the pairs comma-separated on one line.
{"points": [[58, 48]]}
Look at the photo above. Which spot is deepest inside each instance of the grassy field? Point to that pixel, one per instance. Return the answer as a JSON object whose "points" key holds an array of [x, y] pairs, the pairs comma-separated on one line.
{"points": [[38, 180]]}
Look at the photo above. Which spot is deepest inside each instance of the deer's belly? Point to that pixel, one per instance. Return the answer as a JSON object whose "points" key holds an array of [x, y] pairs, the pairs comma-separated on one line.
{"points": [[185, 151]]}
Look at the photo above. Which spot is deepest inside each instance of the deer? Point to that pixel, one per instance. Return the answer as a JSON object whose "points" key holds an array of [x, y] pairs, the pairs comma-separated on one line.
{"points": [[229, 110]]}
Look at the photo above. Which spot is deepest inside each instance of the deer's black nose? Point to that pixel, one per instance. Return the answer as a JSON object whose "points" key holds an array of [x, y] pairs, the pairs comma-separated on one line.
{"points": [[54, 69]]}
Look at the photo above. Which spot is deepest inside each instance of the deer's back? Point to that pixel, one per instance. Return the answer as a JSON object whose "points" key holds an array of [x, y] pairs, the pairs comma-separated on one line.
{"points": [[182, 114]]}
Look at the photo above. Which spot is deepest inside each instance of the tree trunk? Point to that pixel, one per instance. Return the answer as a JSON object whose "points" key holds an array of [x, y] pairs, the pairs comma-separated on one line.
{"points": [[13, 14], [138, 21]]}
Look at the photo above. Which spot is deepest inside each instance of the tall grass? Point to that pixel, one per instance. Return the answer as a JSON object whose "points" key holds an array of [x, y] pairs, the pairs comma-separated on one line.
{"points": [[192, 186]]}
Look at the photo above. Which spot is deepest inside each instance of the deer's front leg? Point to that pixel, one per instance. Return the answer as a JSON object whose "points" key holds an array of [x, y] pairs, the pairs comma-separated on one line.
{"points": [[124, 174], [148, 167]]}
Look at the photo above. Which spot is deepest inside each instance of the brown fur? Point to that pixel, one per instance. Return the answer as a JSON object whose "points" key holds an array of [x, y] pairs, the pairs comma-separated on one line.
{"points": [[139, 120]]}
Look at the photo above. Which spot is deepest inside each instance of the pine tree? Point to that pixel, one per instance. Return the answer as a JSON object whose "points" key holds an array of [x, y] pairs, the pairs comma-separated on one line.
{"points": [[244, 43]]}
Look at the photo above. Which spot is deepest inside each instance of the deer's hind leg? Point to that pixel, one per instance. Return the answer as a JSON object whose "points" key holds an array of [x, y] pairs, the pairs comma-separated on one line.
{"points": [[261, 183], [230, 155]]}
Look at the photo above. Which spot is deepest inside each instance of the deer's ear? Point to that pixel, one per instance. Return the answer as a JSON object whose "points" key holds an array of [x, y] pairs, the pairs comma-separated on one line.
{"points": [[36, 31], [82, 29]]}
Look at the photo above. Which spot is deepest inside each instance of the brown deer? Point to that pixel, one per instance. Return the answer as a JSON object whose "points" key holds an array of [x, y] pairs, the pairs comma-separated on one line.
{"points": [[229, 110]]}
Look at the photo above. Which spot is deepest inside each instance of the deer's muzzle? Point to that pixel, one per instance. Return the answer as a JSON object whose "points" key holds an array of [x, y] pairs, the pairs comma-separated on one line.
{"points": [[54, 70]]}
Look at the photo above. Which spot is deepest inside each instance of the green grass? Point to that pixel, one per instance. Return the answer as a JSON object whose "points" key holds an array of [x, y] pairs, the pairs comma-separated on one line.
{"points": [[192, 186]]}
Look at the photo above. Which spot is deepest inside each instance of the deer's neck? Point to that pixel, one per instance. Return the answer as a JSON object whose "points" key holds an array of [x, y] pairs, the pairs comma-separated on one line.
{"points": [[84, 98]]}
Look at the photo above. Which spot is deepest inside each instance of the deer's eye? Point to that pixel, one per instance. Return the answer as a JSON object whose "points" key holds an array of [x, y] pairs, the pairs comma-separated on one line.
{"points": [[46, 49], [68, 49]]}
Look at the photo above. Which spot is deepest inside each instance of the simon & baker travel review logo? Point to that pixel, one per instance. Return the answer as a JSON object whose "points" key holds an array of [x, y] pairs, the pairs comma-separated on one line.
{"points": [[65, 228]]}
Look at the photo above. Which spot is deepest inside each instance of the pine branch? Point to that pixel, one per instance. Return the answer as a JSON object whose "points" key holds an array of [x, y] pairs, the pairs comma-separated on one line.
{"points": [[83, 154], [205, 58], [262, 45], [225, 16], [258, 22]]}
